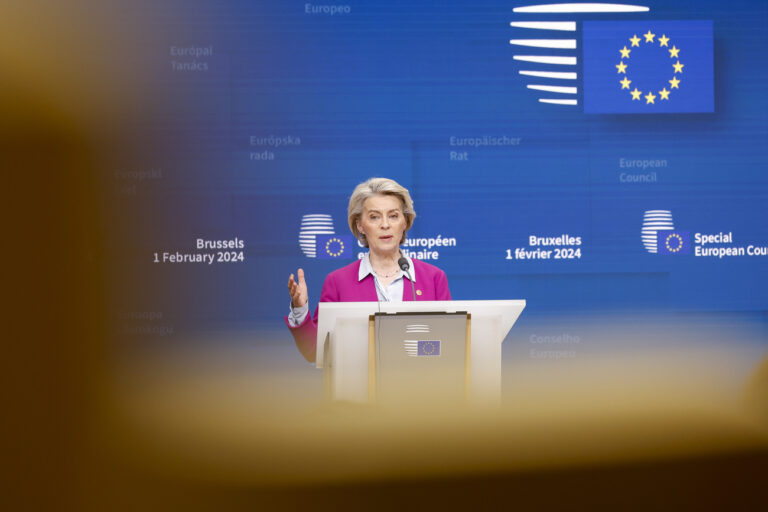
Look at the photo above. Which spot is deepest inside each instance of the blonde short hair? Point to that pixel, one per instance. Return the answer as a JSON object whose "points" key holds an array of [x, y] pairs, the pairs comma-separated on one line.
{"points": [[374, 187]]}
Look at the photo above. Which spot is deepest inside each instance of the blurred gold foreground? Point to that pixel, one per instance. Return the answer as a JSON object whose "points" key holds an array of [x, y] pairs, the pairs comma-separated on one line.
{"points": [[619, 420]]}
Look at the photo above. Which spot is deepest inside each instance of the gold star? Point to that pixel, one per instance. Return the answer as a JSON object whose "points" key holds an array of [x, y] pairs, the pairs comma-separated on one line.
{"points": [[635, 94], [635, 40], [649, 98], [649, 36], [625, 83], [664, 94], [663, 40], [625, 52], [678, 67], [674, 52], [674, 83], [622, 68]]}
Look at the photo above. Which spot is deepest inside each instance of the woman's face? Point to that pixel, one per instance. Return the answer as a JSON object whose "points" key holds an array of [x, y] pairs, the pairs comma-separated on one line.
{"points": [[382, 222]]}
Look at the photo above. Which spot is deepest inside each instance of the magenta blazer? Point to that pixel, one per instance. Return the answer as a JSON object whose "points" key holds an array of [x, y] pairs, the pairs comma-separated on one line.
{"points": [[342, 285]]}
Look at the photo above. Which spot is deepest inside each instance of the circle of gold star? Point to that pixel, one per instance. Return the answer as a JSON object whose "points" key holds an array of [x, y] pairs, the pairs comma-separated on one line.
{"points": [[330, 251], [622, 67]]}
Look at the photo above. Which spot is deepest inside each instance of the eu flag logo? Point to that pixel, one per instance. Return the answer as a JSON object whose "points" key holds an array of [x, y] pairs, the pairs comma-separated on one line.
{"points": [[674, 242], [429, 348], [648, 67], [334, 246]]}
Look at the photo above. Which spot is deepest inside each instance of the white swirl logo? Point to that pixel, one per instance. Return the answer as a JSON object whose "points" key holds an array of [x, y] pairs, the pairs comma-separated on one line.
{"points": [[540, 54], [412, 346], [312, 225], [653, 222]]}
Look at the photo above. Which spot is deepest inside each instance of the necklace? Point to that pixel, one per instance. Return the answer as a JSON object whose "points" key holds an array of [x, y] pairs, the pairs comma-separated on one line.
{"points": [[385, 276]]}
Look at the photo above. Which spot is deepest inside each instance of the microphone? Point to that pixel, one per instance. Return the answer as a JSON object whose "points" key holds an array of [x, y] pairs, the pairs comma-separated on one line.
{"points": [[404, 266]]}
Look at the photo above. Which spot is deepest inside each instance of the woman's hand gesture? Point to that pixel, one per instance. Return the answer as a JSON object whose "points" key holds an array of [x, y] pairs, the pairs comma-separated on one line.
{"points": [[298, 291]]}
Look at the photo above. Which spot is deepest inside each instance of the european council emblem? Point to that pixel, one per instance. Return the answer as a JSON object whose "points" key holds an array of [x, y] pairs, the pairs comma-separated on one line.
{"points": [[674, 242], [334, 246], [648, 67], [422, 348]]}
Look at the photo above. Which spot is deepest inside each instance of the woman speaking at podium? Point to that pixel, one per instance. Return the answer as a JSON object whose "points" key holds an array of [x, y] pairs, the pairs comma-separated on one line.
{"points": [[380, 214]]}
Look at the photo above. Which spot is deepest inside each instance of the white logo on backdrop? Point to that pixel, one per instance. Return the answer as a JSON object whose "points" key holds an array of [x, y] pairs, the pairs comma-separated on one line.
{"points": [[563, 53], [314, 224], [653, 222]]}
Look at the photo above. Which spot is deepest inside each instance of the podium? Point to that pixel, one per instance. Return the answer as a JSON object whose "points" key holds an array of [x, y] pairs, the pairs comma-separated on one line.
{"points": [[347, 345]]}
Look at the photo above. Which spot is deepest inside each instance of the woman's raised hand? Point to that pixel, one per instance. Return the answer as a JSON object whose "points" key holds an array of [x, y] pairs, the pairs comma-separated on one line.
{"points": [[298, 291]]}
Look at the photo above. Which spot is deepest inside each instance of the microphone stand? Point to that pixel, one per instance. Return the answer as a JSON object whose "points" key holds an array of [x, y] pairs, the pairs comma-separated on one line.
{"points": [[404, 266]]}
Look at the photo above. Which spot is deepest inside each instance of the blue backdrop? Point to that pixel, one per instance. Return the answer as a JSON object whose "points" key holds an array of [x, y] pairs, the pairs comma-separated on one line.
{"points": [[270, 111]]}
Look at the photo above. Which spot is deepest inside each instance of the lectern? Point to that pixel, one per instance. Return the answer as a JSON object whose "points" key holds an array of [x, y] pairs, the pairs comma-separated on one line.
{"points": [[366, 348]]}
